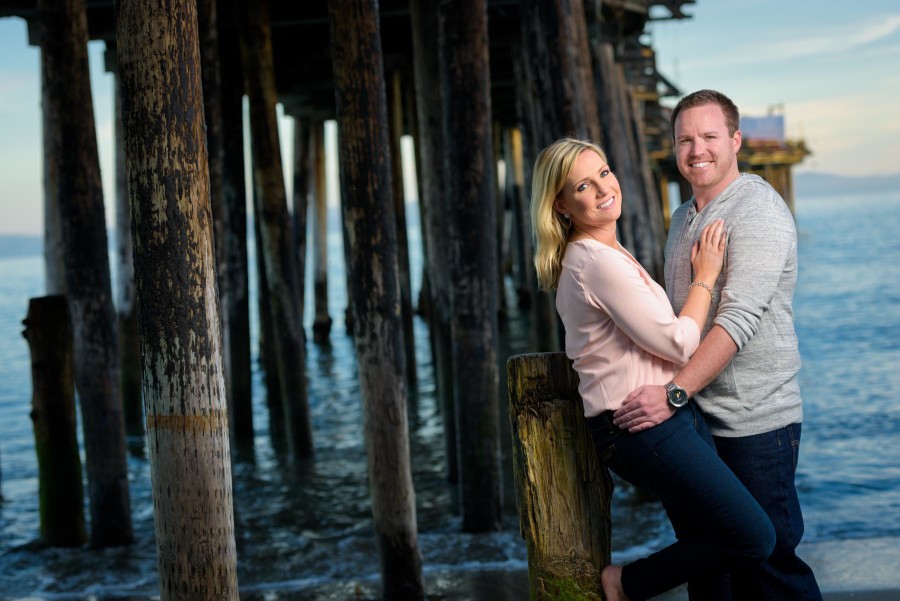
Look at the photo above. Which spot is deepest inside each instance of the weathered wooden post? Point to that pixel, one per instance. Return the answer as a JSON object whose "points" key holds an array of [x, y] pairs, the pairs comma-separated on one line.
{"points": [[126, 295], [559, 75], [423, 302], [54, 270], [268, 356], [210, 71], [300, 203], [501, 233], [184, 386], [235, 302], [395, 120], [88, 287], [519, 201], [368, 211], [434, 197], [470, 185], [60, 492], [274, 224], [321, 319], [563, 491]]}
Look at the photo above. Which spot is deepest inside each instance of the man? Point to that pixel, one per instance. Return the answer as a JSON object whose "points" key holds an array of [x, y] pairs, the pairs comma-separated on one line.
{"points": [[744, 374]]}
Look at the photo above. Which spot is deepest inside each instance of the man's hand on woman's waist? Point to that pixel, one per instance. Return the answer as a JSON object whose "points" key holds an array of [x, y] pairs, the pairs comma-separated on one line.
{"points": [[645, 407]]}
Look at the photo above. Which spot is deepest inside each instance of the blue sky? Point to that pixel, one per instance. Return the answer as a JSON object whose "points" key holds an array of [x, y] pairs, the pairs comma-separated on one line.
{"points": [[833, 65]]}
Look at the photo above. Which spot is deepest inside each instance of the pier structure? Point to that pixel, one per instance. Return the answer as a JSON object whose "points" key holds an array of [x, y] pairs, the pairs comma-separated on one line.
{"points": [[769, 153], [470, 82], [301, 49]]}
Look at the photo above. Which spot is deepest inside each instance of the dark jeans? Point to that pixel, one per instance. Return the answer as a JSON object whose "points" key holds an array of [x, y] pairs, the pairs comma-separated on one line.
{"points": [[766, 464], [718, 524]]}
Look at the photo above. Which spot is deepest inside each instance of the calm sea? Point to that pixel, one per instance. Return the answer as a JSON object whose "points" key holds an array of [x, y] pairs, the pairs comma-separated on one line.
{"points": [[302, 528]]}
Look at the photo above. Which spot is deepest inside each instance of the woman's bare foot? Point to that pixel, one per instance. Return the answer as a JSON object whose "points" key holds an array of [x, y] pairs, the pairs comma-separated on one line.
{"points": [[611, 582]]}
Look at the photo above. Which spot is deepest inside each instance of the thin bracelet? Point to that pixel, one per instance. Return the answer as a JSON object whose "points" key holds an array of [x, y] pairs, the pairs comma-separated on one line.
{"points": [[703, 285]]}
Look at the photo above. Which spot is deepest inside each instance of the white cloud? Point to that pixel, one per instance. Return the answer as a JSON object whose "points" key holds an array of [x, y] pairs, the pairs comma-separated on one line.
{"points": [[775, 44], [844, 38], [843, 136]]}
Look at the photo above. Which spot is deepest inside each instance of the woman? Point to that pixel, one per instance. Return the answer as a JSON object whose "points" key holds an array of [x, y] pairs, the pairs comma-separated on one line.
{"points": [[621, 333]]}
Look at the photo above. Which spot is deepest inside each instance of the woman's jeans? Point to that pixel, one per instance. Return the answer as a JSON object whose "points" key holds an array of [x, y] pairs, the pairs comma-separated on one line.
{"points": [[718, 524]]}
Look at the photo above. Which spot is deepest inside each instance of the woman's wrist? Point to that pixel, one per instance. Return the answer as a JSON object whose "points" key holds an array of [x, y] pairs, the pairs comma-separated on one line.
{"points": [[704, 285], [706, 278]]}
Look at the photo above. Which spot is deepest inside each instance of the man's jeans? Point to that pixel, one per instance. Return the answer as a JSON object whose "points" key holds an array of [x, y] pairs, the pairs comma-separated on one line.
{"points": [[717, 522], [766, 464]]}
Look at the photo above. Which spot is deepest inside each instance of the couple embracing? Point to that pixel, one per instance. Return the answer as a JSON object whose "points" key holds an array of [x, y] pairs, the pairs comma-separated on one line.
{"points": [[689, 392]]}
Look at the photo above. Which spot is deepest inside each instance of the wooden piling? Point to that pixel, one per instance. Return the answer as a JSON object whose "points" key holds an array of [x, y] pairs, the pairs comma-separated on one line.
{"points": [[321, 320], [374, 291], [300, 203], [274, 221], [563, 492], [210, 72], [235, 301], [395, 119], [60, 492], [470, 185], [501, 232], [126, 295], [433, 200], [546, 330], [519, 200], [183, 373], [86, 257], [268, 355], [558, 71], [54, 270]]}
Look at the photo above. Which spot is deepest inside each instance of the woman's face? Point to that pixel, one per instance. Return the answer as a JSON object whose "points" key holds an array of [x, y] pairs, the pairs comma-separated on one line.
{"points": [[591, 194]]}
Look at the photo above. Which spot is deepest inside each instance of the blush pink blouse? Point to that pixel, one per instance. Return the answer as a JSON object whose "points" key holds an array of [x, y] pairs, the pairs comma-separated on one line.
{"points": [[621, 332]]}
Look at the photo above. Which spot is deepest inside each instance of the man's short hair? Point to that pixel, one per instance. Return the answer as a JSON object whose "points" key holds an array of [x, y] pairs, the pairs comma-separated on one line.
{"points": [[704, 97]]}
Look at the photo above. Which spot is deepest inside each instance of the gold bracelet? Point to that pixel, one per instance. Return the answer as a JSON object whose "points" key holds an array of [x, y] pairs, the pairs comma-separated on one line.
{"points": [[703, 285]]}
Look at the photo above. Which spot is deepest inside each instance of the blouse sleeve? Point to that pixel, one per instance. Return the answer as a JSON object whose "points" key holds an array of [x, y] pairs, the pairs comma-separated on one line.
{"points": [[615, 286]]}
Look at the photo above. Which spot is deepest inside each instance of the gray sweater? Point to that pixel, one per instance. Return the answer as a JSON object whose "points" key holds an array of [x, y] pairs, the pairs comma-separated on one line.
{"points": [[758, 390]]}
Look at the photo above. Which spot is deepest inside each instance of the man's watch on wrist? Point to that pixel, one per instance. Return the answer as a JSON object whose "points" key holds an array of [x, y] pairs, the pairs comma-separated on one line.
{"points": [[678, 397]]}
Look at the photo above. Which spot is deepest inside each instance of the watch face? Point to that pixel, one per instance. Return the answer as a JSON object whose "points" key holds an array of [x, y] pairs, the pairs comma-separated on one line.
{"points": [[677, 396]]}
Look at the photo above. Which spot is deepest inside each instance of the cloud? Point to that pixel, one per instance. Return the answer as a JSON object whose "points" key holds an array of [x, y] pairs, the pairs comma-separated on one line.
{"points": [[843, 136], [843, 39], [786, 44]]}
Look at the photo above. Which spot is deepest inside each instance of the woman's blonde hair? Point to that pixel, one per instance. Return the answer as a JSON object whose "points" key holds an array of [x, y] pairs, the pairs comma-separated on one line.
{"points": [[549, 229]]}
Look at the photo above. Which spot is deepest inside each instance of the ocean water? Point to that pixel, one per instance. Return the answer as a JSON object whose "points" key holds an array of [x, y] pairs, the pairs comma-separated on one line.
{"points": [[298, 528]]}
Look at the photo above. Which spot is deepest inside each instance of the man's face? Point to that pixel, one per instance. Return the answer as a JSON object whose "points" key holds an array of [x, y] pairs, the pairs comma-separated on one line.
{"points": [[705, 152]]}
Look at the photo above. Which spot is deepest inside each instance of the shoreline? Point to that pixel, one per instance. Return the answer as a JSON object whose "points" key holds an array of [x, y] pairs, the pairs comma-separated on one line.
{"points": [[851, 569]]}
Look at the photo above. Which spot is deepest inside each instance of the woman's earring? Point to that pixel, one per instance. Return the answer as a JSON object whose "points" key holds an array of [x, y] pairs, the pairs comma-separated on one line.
{"points": [[566, 215]]}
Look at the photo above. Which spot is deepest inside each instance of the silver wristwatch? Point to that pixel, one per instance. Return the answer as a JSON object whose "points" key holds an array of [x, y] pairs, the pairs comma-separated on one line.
{"points": [[678, 397]]}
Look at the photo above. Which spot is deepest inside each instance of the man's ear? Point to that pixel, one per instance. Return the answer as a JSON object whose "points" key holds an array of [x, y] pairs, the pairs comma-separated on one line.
{"points": [[737, 141]]}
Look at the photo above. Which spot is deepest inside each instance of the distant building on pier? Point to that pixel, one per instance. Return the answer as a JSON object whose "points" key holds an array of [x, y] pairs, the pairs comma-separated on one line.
{"points": [[767, 152]]}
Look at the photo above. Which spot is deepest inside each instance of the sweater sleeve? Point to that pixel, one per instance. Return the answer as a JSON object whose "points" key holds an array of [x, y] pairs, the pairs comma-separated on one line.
{"points": [[616, 286], [760, 243]]}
